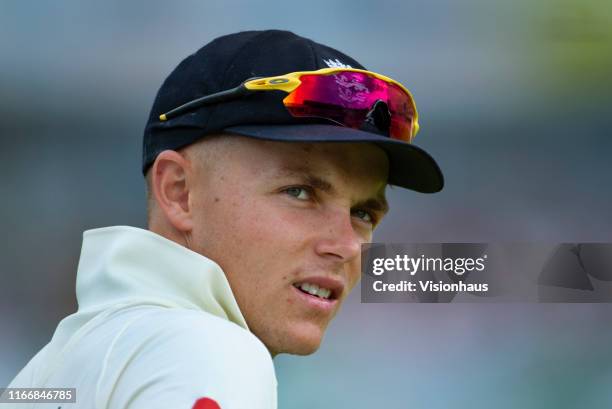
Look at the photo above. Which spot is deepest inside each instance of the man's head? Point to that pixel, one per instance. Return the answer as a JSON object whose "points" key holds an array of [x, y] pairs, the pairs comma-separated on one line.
{"points": [[280, 200], [279, 218]]}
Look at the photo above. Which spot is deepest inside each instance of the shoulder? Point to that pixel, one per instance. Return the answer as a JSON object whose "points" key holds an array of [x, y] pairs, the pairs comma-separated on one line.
{"points": [[197, 330], [185, 354], [193, 334]]}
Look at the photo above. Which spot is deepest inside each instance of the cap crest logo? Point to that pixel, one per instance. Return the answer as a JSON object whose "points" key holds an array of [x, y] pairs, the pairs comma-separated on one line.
{"points": [[335, 63]]}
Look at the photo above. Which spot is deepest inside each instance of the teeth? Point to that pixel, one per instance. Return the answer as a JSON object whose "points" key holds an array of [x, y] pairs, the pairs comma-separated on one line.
{"points": [[314, 289]]}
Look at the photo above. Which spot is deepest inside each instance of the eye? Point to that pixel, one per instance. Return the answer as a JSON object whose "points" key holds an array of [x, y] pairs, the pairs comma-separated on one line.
{"points": [[300, 193], [364, 215]]}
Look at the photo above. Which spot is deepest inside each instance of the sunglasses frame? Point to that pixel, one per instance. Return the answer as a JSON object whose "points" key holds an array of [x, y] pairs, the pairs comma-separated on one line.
{"points": [[287, 83]]}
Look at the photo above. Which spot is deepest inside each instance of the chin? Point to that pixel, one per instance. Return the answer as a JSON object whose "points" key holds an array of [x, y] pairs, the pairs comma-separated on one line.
{"points": [[305, 341], [304, 349]]}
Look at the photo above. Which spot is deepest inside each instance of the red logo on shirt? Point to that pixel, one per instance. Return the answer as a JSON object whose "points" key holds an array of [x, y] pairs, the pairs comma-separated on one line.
{"points": [[206, 403]]}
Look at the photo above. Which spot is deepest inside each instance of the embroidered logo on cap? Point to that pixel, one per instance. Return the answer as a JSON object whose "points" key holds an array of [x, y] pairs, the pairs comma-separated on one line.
{"points": [[206, 403], [336, 63]]}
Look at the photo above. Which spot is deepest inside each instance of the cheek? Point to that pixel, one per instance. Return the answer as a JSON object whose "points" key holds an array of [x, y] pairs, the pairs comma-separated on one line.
{"points": [[267, 221], [252, 236]]}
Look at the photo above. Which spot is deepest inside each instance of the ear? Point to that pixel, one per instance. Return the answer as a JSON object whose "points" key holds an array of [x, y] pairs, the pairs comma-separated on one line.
{"points": [[171, 173]]}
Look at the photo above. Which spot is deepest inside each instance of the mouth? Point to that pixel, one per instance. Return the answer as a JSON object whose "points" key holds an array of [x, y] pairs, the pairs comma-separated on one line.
{"points": [[321, 288], [314, 290]]}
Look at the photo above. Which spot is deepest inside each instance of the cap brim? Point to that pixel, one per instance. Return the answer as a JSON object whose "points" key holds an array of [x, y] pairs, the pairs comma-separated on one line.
{"points": [[409, 166]]}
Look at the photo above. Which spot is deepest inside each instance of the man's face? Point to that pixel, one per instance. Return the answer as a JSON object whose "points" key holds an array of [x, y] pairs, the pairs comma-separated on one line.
{"points": [[285, 222]]}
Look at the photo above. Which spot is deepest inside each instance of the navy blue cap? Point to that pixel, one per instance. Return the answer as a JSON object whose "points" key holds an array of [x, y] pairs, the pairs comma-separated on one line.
{"points": [[228, 61]]}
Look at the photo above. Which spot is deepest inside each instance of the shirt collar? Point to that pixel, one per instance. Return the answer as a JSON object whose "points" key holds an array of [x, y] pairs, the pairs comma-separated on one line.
{"points": [[123, 264]]}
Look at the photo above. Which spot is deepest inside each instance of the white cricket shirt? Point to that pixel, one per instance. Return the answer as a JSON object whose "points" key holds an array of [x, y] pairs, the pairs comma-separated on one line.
{"points": [[157, 328]]}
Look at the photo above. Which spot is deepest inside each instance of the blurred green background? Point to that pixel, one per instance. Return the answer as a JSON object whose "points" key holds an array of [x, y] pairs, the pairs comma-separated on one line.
{"points": [[515, 101]]}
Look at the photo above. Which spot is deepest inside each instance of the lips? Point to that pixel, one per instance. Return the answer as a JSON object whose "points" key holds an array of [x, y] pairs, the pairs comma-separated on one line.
{"points": [[325, 288]]}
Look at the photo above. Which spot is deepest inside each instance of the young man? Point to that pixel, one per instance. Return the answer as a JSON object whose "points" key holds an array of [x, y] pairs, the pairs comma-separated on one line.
{"points": [[261, 192]]}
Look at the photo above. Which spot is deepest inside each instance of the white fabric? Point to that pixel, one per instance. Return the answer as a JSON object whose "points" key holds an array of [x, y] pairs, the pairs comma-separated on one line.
{"points": [[157, 327]]}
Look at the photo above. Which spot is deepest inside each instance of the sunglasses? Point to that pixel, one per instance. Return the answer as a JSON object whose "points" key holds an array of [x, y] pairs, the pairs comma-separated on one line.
{"points": [[350, 97]]}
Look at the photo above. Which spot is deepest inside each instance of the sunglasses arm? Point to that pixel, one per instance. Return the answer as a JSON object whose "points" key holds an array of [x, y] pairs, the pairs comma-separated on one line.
{"points": [[223, 96]]}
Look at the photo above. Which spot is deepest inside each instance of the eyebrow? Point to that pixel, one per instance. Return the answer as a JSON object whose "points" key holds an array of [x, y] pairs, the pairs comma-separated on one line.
{"points": [[378, 203], [307, 174]]}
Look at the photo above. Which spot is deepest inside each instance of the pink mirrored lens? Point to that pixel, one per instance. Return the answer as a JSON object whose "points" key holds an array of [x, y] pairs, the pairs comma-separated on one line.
{"points": [[346, 97]]}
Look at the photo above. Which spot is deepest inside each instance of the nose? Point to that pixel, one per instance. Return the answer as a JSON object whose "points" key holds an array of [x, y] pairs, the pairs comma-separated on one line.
{"points": [[339, 239]]}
